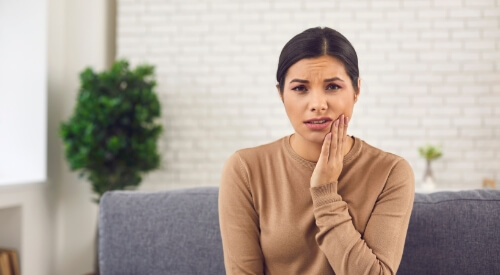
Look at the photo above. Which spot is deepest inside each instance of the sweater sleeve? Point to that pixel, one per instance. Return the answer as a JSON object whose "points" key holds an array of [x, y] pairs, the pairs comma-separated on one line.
{"points": [[380, 248], [239, 221]]}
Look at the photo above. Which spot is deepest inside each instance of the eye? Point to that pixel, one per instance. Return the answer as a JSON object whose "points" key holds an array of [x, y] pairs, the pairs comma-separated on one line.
{"points": [[332, 86], [300, 88]]}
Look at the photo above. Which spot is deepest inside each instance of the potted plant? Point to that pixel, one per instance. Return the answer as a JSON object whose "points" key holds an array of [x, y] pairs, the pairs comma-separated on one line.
{"points": [[429, 153], [111, 138]]}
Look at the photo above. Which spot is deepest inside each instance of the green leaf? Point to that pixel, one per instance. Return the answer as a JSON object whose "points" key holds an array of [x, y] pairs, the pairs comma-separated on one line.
{"points": [[111, 137], [430, 152]]}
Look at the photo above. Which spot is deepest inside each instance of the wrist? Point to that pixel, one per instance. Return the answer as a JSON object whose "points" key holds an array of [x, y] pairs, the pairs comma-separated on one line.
{"points": [[317, 185], [325, 194]]}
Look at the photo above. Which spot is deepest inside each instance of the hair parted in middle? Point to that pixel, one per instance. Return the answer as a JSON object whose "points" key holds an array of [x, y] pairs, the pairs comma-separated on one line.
{"points": [[316, 42]]}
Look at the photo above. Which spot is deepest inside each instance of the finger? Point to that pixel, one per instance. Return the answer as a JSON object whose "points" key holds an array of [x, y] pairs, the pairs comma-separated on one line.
{"points": [[325, 148], [340, 136], [334, 132], [346, 124]]}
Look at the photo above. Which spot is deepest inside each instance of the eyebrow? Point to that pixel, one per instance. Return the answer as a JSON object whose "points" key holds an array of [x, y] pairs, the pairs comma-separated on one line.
{"points": [[307, 81]]}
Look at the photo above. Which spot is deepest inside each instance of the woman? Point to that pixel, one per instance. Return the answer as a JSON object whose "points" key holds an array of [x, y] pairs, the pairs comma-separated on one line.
{"points": [[318, 201]]}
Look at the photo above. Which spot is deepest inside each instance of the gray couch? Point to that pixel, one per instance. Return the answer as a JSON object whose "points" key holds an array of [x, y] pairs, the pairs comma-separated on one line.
{"points": [[177, 232]]}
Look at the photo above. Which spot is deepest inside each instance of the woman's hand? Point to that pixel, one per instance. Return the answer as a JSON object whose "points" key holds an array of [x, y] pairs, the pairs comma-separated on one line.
{"points": [[330, 162]]}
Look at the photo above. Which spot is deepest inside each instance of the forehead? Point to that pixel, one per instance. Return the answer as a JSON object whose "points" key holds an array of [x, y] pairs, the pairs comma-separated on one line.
{"points": [[317, 67]]}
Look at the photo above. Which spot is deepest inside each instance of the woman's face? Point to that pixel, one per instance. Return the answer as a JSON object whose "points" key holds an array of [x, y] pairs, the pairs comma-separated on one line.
{"points": [[315, 93]]}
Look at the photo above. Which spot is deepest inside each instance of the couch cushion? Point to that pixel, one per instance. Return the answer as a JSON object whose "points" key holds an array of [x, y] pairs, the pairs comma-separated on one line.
{"points": [[454, 233], [166, 232], [177, 232]]}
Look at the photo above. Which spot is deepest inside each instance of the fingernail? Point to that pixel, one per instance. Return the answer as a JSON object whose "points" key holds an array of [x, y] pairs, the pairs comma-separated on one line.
{"points": [[346, 120]]}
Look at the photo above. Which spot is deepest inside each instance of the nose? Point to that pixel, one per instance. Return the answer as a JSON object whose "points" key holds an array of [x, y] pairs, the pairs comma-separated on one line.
{"points": [[318, 101]]}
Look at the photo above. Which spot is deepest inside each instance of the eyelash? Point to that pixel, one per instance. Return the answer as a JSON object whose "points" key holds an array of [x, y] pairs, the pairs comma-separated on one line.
{"points": [[336, 87], [302, 88]]}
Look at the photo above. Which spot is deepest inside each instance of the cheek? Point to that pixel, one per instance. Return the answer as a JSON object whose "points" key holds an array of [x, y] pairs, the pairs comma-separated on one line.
{"points": [[350, 108], [289, 102], [292, 109], [344, 105]]}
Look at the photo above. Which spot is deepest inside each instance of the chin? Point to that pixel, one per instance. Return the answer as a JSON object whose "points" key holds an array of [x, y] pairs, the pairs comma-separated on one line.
{"points": [[314, 137]]}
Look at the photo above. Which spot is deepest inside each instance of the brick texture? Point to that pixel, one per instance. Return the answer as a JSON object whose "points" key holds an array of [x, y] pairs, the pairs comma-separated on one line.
{"points": [[430, 74]]}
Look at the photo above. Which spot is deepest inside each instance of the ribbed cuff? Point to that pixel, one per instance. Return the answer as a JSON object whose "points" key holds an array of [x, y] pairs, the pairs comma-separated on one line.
{"points": [[325, 194]]}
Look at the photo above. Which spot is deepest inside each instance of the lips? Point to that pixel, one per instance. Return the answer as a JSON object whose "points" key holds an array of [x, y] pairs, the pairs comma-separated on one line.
{"points": [[318, 123], [318, 120]]}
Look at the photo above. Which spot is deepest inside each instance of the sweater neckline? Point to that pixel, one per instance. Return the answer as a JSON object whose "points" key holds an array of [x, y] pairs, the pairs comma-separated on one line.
{"points": [[351, 155]]}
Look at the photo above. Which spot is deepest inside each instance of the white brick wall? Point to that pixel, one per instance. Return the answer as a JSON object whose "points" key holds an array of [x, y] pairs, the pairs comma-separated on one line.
{"points": [[430, 71]]}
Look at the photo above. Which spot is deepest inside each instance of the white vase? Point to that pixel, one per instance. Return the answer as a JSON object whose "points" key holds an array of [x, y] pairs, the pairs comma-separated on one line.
{"points": [[428, 182]]}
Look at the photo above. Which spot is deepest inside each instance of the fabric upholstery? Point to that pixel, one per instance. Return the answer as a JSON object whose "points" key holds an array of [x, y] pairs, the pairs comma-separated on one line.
{"points": [[167, 232], [453, 233], [177, 232]]}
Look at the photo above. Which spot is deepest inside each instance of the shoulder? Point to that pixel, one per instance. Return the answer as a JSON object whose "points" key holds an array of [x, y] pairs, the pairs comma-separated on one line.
{"points": [[260, 153], [240, 165], [381, 157], [255, 155], [380, 160], [372, 151], [398, 170]]}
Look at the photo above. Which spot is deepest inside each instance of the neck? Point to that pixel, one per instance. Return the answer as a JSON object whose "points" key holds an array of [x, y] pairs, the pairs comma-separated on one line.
{"points": [[310, 150]]}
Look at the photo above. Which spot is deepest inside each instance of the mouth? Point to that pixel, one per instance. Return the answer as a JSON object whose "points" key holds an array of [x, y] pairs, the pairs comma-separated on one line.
{"points": [[317, 121], [320, 120], [318, 124]]}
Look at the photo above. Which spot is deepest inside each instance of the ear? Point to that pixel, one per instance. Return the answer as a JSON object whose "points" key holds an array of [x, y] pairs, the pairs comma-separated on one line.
{"points": [[356, 94], [279, 92]]}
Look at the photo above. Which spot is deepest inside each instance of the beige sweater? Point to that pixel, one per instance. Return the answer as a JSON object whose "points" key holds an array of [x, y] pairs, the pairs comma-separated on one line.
{"points": [[272, 222]]}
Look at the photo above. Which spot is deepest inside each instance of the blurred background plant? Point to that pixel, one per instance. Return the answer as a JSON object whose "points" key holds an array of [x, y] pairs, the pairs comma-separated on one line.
{"points": [[429, 153], [111, 138]]}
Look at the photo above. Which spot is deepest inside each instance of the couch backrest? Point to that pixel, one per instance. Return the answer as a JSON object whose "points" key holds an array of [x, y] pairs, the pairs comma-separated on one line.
{"points": [[177, 232], [454, 233], [167, 232]]}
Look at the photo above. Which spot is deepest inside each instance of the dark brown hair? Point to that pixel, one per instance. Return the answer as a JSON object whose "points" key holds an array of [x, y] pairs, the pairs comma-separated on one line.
{"points": [[316, 42]]}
